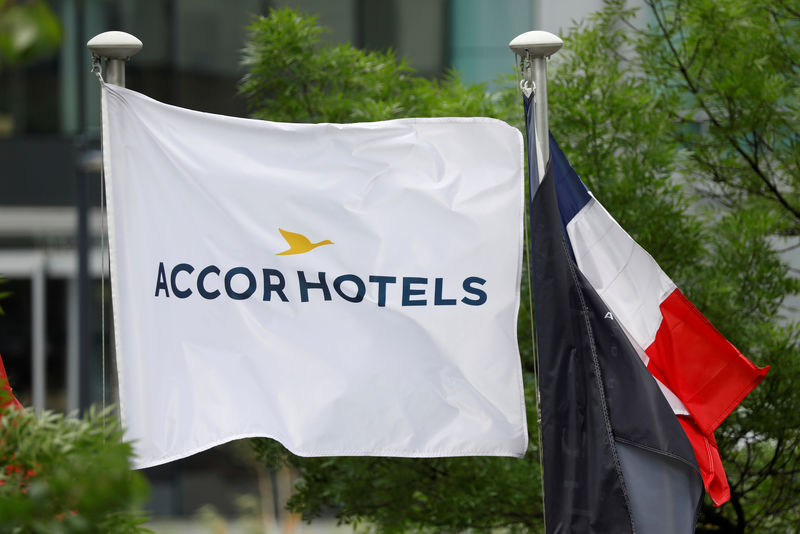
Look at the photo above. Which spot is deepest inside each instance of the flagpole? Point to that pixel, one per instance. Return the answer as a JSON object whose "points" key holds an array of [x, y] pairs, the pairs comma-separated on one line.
{"points": [[116, 47], [534, 48]]}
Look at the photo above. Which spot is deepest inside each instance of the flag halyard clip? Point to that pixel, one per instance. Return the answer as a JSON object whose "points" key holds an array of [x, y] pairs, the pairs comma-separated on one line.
{"points": [[97, 67], [528, 88], [526, 84]]}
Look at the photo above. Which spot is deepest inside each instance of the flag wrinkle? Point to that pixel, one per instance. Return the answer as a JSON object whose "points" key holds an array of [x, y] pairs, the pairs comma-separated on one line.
{"points": [[715, 389], [656, 450], [708, 459], [585, 312], [324, 453]]}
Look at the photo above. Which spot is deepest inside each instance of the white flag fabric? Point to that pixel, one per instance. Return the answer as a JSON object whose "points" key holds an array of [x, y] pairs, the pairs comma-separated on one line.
{"points": [[344, 289]]}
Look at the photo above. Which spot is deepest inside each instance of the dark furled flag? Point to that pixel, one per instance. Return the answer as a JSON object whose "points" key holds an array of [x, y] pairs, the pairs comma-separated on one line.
{"points": [[615, 457]]}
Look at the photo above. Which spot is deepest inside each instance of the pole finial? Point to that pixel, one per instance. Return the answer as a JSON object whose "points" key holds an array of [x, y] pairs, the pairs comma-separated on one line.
{"points": [[536, 44], [114, 45]]}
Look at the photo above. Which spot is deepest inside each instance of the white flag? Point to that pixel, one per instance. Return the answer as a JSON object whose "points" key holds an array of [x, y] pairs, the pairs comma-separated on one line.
{"points": [[344, 289]]}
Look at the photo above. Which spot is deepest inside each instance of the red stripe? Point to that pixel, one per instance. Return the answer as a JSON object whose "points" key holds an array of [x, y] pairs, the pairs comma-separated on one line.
{"points": [[708, 374], [709, 461]]}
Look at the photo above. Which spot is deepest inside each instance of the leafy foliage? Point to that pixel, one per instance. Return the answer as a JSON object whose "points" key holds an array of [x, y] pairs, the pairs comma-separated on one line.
{"points": [[614, 126], [407, 494], [735, 65], [62, 474], [629, 132], [623, 111], [293, 78], [399, 495], [738, 119], [28, 31]]}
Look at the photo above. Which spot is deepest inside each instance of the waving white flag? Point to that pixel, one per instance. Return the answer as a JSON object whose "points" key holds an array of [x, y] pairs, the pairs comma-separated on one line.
{"points": [[343, 289]]}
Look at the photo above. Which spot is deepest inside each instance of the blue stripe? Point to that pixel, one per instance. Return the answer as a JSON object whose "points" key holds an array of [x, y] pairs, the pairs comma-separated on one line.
{"points": [[570, 190], [571, 193]]}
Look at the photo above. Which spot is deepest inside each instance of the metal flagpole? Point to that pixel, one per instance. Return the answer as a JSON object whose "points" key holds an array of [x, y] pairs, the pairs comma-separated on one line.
{"points": [[534, 48], [116, 47]]}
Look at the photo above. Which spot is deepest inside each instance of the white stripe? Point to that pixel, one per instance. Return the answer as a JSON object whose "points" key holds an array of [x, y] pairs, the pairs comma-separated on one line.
{"points": [[625, 276], [674, 402]]}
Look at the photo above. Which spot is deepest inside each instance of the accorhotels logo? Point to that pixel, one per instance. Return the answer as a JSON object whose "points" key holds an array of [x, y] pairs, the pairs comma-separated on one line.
{"points": [[183, 281]]}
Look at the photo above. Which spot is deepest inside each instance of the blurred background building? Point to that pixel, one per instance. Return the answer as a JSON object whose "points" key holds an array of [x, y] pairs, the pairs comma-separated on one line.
{"points": [[54, 327]]}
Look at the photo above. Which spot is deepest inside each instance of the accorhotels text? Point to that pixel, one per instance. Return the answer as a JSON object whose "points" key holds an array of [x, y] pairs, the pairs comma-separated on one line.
{"points": [[185, 281]]}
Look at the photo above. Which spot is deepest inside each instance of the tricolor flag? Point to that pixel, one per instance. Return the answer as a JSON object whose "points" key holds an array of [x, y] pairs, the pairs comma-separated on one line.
{"points": [[343, 289], [701, 374], [633, 379]]}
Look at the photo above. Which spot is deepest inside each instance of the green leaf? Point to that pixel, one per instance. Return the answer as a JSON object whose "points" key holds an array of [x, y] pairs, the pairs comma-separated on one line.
{"points": [[28, 31], [64, 474]]}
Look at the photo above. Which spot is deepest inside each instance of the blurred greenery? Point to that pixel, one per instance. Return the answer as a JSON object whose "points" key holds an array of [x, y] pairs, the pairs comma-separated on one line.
{"points": [[29, 30], [63, 474], [250, 518], [291, 77]]}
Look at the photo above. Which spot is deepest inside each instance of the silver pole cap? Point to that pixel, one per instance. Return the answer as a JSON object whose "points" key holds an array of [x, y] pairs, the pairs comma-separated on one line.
{"points": [[114, 45], [536, 43]]}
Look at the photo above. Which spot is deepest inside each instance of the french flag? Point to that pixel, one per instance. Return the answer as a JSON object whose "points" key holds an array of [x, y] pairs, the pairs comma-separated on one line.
{"points": [[702, 375]]}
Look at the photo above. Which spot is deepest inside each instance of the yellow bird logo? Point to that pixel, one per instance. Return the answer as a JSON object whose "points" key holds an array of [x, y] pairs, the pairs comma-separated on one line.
{"points": [[299, 244]]}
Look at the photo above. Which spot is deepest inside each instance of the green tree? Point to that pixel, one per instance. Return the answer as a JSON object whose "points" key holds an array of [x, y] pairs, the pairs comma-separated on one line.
{"points": [[733, 68], [614, 126], [65, 475], [28, 31], [293, 78], [61, 474], [736, 66], [616, 121]]}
